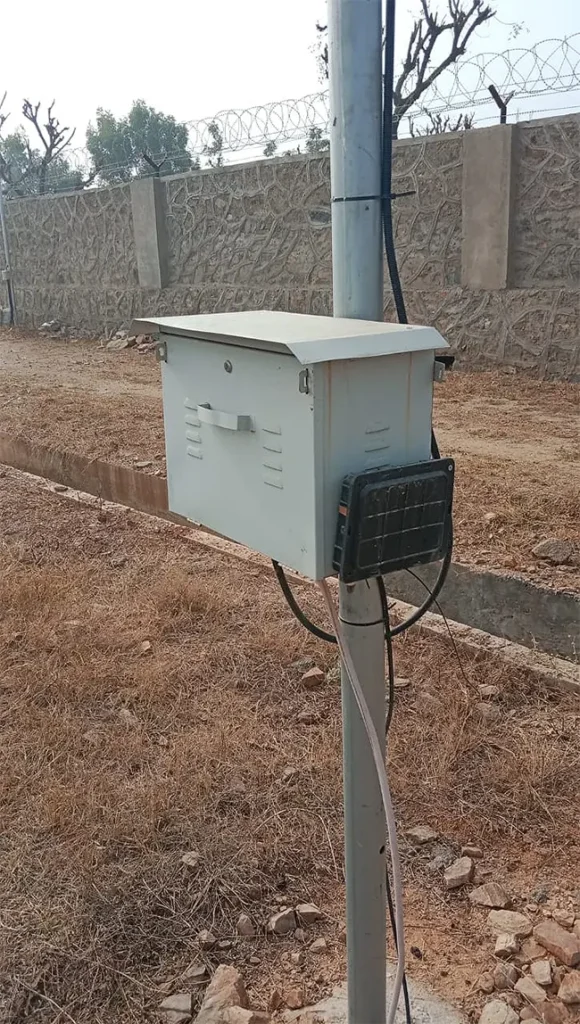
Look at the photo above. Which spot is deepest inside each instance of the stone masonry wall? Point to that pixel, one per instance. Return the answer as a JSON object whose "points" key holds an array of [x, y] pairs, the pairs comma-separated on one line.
{"points": [[488, 244]]}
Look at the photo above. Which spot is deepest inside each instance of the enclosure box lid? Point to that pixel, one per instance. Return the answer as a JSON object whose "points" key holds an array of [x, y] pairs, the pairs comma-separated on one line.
{"points": [[310, 339]]}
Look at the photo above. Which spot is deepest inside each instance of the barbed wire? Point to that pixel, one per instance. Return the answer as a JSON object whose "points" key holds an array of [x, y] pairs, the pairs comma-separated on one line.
{"points": [[549, 68]]}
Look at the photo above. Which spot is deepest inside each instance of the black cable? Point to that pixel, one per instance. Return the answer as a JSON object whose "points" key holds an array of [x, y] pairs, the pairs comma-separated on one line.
{"points": [[389, 655], [387, 167], [396, 287], [433, 592], [444, 617], [296, 609]]}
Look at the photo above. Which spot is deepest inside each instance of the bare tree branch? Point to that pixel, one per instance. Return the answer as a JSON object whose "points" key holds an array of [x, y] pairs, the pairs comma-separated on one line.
{"points": [[54, 142], [420, 66], [439, 124], [427, 30]]}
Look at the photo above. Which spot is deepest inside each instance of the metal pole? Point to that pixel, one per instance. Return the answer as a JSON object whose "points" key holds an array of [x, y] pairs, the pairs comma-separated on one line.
{"points": [[6, 247], [354, 36]]}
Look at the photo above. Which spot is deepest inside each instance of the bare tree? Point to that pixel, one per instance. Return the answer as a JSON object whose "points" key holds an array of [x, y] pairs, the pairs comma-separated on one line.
{"points": [[26, 169], [53, 137], [419, 70], [439, 124], [421, 65]]}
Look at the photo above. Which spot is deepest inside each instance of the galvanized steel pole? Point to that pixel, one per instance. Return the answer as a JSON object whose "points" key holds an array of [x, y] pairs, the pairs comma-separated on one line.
{"points": [[354, 37]]}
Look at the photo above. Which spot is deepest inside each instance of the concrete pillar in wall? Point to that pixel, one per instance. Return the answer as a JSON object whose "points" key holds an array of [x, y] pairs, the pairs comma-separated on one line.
{"points": [[488, 176], [149, 231]]}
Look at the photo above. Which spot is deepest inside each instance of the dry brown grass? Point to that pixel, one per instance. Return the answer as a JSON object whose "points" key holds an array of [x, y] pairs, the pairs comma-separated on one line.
{"points": [[96, 909]]}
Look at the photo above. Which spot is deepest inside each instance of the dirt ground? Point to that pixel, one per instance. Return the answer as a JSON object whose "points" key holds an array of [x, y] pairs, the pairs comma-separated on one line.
{"points": [[516, 440], [149, 699]]}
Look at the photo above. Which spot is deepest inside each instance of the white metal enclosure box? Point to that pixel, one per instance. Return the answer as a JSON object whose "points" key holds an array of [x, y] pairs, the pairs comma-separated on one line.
{"points": [[267, 412]]}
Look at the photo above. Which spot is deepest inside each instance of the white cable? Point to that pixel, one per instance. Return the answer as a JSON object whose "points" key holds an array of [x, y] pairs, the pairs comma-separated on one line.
{"points": [[385, 794]]}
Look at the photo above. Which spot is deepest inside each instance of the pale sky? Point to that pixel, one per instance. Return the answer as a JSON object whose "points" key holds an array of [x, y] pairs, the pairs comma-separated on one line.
{"points": [[192, 59]]}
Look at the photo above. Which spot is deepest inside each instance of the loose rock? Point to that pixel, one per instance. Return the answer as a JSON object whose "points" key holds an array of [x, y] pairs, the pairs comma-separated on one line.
{"points": [[553, 550], [441, 860], [282, 923], [50, 325], [529, 1013], [541, 972], [565, 946], [319, 946], [563, 917], [558, 975], [180, 1002], [117, 344], [245, 926], [569, 991], [485, 983], [300, 935], [505, 977], [274, 1000], [206, 939], [506, 946], [531, 950], [401, 683], [196, 973], [240, 1015], [296, 957], [498, 1012], [475, 852], [225, 989], [294, 998], [528, 989], [459, 873], [422, 834], [555, 1013], [145, 647], [312, 679], [308, 913], [143, 464], [490, 895], [191, 859], [502, 922]]}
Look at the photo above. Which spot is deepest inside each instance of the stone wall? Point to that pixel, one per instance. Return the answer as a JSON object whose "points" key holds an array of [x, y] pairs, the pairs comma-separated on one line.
{"points": [[488, 244]]}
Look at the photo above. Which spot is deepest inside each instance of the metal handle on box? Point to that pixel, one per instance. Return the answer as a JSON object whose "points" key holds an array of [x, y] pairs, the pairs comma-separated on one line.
{"points": [[227, 420]]}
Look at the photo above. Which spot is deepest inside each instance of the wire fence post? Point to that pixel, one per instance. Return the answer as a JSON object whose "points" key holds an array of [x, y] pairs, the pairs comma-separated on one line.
{"points": [[7, 272]]}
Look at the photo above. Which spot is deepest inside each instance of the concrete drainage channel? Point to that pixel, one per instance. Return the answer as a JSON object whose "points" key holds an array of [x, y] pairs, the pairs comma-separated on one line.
{"points": [[505, 607]]}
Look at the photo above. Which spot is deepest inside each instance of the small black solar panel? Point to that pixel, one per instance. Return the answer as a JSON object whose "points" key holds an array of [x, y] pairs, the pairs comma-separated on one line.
{"points": [[393, 518]]}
